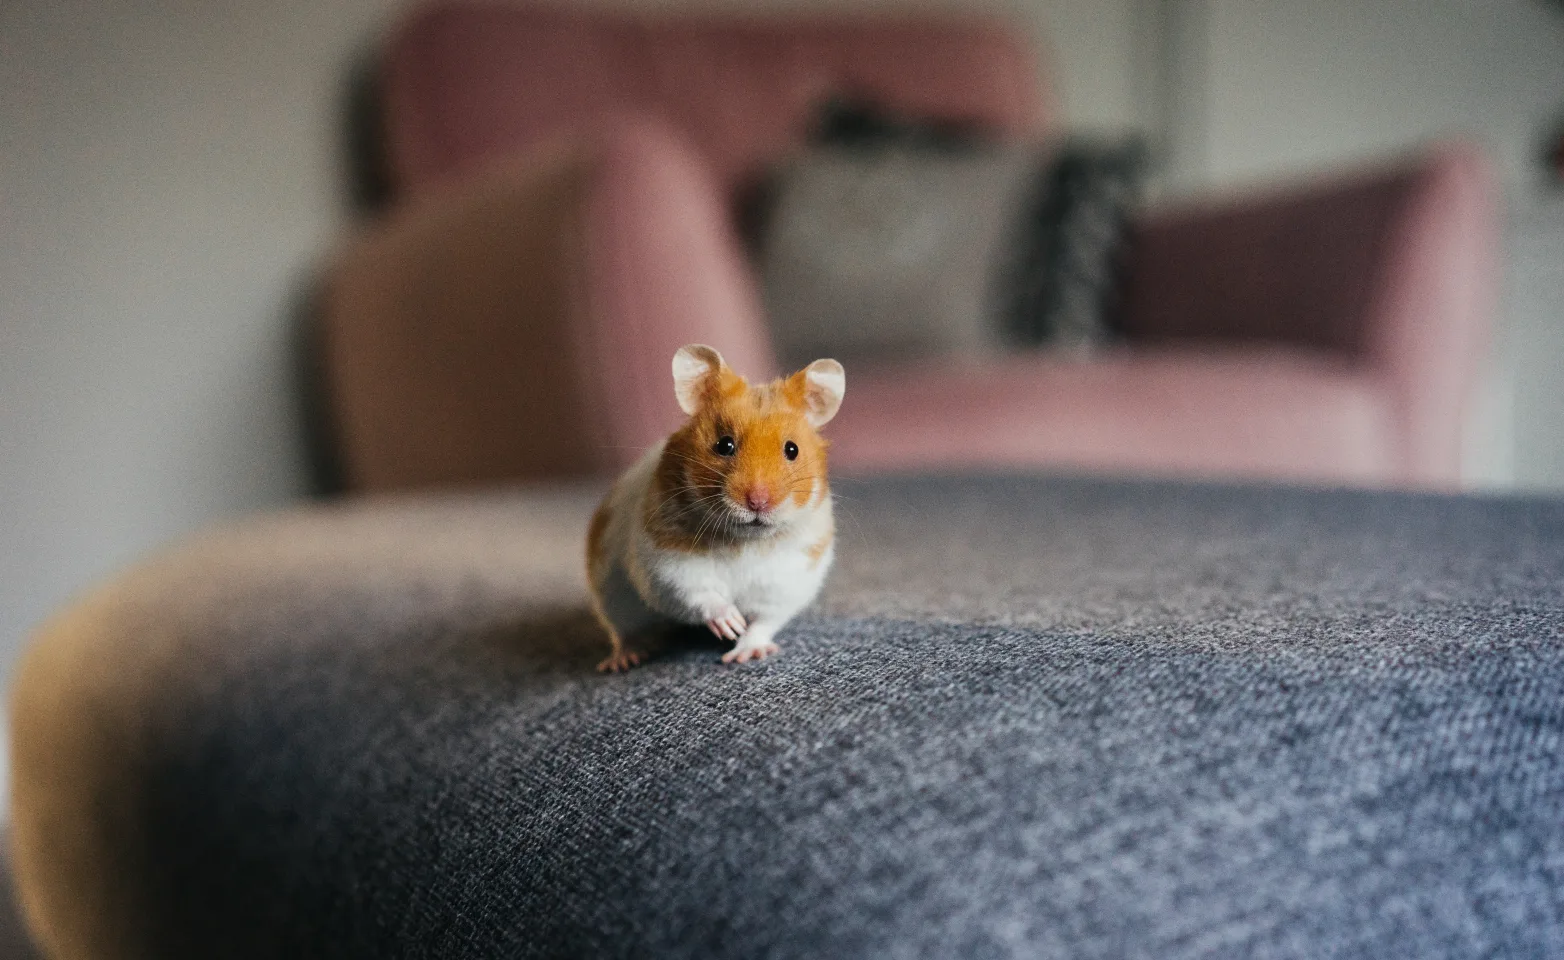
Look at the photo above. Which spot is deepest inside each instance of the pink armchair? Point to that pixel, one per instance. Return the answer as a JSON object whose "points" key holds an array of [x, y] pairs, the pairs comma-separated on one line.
{"points": [[565, 187]]}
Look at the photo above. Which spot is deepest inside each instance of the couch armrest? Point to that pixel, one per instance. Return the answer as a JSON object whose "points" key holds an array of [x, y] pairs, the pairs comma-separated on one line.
{"points": [[520, 326], [1393, 270]]}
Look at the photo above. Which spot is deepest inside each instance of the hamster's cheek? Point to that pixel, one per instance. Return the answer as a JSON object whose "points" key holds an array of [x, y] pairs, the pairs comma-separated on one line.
{"points": [[716, 473], [803, 492]]}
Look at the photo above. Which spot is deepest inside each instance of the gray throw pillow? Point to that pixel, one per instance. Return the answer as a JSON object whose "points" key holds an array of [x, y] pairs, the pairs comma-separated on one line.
{"points": [[891, 253]]}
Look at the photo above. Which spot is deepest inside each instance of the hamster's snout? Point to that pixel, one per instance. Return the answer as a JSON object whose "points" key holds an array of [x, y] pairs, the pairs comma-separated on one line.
{"points": [[758, 498], [755, 507]]}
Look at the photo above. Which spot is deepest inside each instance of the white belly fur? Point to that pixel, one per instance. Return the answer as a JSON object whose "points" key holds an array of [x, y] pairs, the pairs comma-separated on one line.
{"points": [[637, 584]]}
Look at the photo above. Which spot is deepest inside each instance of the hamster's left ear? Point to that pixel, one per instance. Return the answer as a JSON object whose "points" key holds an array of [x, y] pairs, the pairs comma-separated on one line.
{"points": [[819, 388]]}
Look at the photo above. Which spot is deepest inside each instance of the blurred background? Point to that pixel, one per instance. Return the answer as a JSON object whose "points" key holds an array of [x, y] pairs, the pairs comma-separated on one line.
{"points": [[175, 174]]}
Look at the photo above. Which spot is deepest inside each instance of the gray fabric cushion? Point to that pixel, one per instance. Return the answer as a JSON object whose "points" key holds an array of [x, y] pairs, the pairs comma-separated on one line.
{"points": [[1033, 718]]}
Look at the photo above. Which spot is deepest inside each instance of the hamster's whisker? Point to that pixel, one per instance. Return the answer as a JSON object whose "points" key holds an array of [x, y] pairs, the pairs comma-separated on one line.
{"points": [[689, 506], [692, 461], [692, 507], [842, 511], [713, 518]]}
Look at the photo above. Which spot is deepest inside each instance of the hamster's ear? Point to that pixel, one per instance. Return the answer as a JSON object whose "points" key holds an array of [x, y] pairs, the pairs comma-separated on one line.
{"points": [[696, 368], [819, 388]]}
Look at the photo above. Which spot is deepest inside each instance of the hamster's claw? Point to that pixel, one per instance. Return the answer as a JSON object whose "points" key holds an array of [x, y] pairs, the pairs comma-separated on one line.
{"points": [[745, 652], [619, 662], [728, 624]]}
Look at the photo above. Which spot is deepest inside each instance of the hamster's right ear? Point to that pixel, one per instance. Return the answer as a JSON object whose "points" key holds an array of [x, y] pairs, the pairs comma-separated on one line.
{"points": [[696, 372]]}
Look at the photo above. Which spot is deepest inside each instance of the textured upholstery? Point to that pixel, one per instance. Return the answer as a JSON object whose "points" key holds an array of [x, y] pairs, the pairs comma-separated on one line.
{"points": [[1032, 718], [567, 305], [1216, 411]]}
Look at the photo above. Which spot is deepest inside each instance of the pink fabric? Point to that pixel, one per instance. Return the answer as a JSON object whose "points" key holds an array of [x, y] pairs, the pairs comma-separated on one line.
{"points": [[1294, 266], [1326, 332], [1276, 413], [1390, 269], [520, 326], [465, 84], [1427, 322], [661, 268]]}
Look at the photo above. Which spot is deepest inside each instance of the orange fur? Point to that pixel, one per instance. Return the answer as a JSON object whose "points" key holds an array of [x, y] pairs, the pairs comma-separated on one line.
{"points": [[761, 420]]}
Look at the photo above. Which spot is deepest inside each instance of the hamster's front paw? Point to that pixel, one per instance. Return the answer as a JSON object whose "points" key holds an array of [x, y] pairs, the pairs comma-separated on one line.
{"points": [[749, 649], [727, 623]]}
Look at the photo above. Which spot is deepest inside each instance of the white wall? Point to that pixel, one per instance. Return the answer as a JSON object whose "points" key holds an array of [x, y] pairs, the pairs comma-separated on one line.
{"points": [[1533, 346], [1294, 85], [168, 172]]}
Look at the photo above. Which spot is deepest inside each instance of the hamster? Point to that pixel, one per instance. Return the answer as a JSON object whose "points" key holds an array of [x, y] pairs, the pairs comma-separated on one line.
{"points": [[727, 522]]}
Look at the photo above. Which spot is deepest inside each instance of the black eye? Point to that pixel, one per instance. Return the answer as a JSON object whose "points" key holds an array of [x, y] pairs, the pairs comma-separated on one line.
{"points": [[790, 450], [724, 447]]}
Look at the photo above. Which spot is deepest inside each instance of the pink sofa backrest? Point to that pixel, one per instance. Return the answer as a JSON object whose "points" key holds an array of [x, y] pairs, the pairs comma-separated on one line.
{"points": [[464, 84]]}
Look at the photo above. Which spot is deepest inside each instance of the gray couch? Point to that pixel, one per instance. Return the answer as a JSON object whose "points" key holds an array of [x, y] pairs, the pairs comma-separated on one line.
{"points": [[1032, 718]]}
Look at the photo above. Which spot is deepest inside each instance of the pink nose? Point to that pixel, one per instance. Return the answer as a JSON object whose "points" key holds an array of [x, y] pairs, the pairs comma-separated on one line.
{"points": [[758, 499]]}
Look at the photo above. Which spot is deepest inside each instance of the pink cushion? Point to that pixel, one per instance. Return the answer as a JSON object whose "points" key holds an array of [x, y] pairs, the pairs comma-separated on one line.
{"points": [[1392, 268], [465, 83], [1258, 413], [1295, 266]]}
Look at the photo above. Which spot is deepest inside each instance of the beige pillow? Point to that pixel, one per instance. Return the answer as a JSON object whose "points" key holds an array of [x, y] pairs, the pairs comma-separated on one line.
{"points": [[892, 253]]}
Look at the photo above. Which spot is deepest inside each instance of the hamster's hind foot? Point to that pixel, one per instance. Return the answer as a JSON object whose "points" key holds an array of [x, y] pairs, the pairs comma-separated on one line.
{"points": [[619, 661]]}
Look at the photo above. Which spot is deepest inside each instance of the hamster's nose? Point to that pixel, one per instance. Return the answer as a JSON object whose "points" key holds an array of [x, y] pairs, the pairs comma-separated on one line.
{"points": [[758, 498]]}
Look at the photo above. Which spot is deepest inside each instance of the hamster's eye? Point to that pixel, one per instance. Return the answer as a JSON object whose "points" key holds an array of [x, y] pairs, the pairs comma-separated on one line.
{"points": [[790, 450], [725, 447]]}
